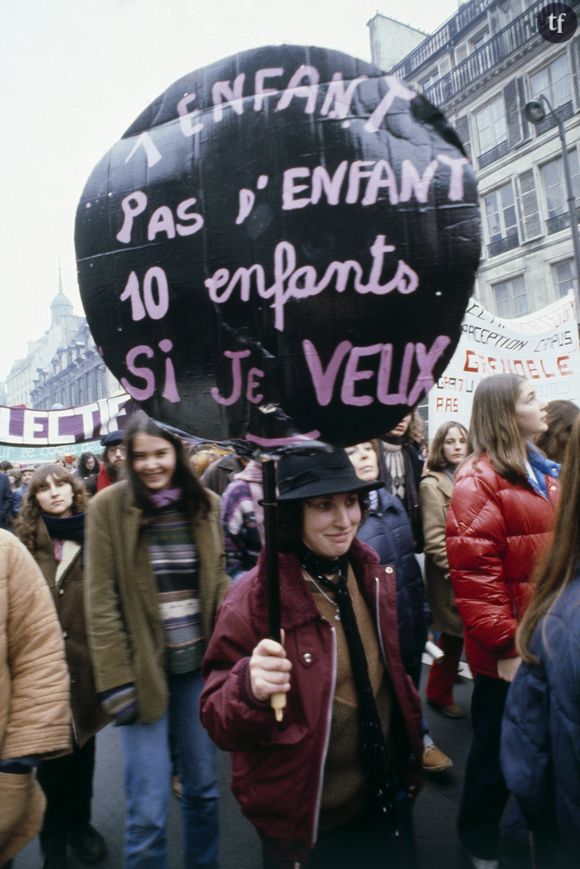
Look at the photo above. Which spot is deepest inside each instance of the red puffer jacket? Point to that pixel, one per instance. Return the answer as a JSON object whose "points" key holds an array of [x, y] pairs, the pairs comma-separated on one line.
{"points": [[496, 531], [277, 772]]}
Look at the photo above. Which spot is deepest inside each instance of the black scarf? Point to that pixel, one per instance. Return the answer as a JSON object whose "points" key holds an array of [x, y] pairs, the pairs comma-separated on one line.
{"points": [[69, 528], [413, 469], [372, 747]]}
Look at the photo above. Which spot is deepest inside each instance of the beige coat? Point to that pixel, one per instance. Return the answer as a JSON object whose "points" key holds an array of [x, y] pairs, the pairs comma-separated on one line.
{"points": [[34, 690], [435, 494], [124, 627]]}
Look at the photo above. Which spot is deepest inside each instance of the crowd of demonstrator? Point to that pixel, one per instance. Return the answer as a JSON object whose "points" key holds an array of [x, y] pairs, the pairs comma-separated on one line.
{"points": [[133, 590]]}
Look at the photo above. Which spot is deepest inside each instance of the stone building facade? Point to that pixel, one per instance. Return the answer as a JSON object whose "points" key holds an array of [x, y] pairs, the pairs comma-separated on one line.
{"points": [[481, 67], [62, 367]]}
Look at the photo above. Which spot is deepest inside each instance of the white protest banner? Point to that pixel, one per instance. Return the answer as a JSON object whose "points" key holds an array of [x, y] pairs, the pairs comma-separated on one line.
{"points": [[542, 347], [26, 427]]}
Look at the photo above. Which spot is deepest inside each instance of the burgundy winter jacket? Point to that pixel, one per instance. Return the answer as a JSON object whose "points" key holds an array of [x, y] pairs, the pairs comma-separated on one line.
{"points": [[496, 531], [277, 772]]}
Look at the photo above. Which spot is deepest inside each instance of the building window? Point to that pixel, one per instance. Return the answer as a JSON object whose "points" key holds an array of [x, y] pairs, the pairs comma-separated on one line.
{"points": [[492, 128], [429, 79], [564, 277], [554, 82], [479, 39], [502, 225], [511, 299], [555, 191]]}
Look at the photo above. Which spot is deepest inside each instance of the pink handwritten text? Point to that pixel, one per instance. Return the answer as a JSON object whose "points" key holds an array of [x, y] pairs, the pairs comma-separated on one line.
{"points": [[292, 282]]}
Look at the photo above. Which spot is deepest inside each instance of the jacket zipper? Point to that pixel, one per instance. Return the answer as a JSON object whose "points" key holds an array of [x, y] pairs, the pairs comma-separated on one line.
{"points": [[377, 615], [326, 739]]}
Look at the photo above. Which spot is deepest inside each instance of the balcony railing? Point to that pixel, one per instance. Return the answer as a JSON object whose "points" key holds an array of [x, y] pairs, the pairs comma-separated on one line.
{"points": [[565, 111], [561, 221], [465, 17], [501, 245], [499, 48], [493, 154]]}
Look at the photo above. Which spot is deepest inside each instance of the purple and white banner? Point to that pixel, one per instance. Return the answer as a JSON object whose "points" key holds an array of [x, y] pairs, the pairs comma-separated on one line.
{"points": [[24, 427]]}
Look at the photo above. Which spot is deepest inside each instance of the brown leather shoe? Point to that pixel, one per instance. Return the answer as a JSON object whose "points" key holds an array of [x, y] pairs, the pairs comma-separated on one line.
{"points": [[434, 760], [454, 710]]}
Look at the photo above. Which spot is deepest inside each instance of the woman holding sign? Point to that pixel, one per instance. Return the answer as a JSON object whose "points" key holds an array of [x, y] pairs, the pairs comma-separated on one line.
{"points": [[155, 579], [500, 520], [329, 786]]}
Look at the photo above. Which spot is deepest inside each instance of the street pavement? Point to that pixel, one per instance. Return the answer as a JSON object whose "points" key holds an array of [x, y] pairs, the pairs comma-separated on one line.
{"points": [[435, 810]]}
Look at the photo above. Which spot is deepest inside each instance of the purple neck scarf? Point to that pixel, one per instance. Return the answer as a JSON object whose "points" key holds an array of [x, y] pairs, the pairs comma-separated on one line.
{"points": [[165, 497]]}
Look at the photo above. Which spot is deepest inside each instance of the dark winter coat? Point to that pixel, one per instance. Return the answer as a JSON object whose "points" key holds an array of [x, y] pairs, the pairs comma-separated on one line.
{"points": [[277, 772], [496, 531], [388, 530], [541, 728], [65, 581], [5, 501]]}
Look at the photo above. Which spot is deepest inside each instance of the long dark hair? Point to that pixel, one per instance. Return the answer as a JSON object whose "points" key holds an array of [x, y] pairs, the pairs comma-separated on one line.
{"points": [[83, 471], [194, 495], [560, 416], [27, 522], [493, 428], [436, 460], [291, 521], [561, 559]]}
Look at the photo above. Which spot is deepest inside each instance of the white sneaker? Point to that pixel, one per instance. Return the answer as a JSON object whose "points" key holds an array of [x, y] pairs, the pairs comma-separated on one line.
{"points": [[481, 863]]}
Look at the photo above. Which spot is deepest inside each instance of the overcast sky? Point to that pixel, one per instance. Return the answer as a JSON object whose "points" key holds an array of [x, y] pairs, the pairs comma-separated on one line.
{"points": [[75, 73]]}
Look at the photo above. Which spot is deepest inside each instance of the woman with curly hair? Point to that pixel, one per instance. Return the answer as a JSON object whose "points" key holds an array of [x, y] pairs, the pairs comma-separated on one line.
{"points": [[51, 526], [88, 471]]}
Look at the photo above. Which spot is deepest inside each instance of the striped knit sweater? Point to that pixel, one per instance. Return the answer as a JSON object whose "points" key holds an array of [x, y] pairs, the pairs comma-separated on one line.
{"points": [[174, 562]]}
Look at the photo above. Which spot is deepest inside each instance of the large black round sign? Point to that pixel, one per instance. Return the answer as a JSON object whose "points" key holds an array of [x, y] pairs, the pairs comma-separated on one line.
{"points": [[283, 242]]}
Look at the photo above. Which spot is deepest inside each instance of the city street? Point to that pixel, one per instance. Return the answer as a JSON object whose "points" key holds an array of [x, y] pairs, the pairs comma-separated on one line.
{"points": [[435, 812]]}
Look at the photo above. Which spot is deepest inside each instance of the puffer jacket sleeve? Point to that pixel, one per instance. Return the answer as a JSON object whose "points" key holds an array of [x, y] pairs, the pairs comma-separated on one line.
{"points": [[539, 751], [433, 513], [476, 543], [525, 744], [234, 719], [38, 705]]}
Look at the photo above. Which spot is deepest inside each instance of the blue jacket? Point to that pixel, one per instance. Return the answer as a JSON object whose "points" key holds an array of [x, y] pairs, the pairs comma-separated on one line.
{"points": [[541, 728], [388, 530]]}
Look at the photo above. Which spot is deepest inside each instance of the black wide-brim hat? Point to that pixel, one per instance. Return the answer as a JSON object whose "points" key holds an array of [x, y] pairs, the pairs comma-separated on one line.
{"points": [[321, 474]]}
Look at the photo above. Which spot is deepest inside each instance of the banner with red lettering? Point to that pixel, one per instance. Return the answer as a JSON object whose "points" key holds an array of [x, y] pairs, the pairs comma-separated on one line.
{"points": [[542, 347], [283, 242]]}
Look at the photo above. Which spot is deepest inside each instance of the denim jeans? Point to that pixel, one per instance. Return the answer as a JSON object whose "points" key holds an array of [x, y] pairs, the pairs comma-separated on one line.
{"points": [[148, 782], [485, 792]]}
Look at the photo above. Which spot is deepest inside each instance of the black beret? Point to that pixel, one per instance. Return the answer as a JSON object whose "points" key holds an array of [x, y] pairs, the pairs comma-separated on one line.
{"points": [[112, 439]]}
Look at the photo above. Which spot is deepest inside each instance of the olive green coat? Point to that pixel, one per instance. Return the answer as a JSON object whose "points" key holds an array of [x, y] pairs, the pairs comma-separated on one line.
{"points": [[125, 630], [435, 494]]}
